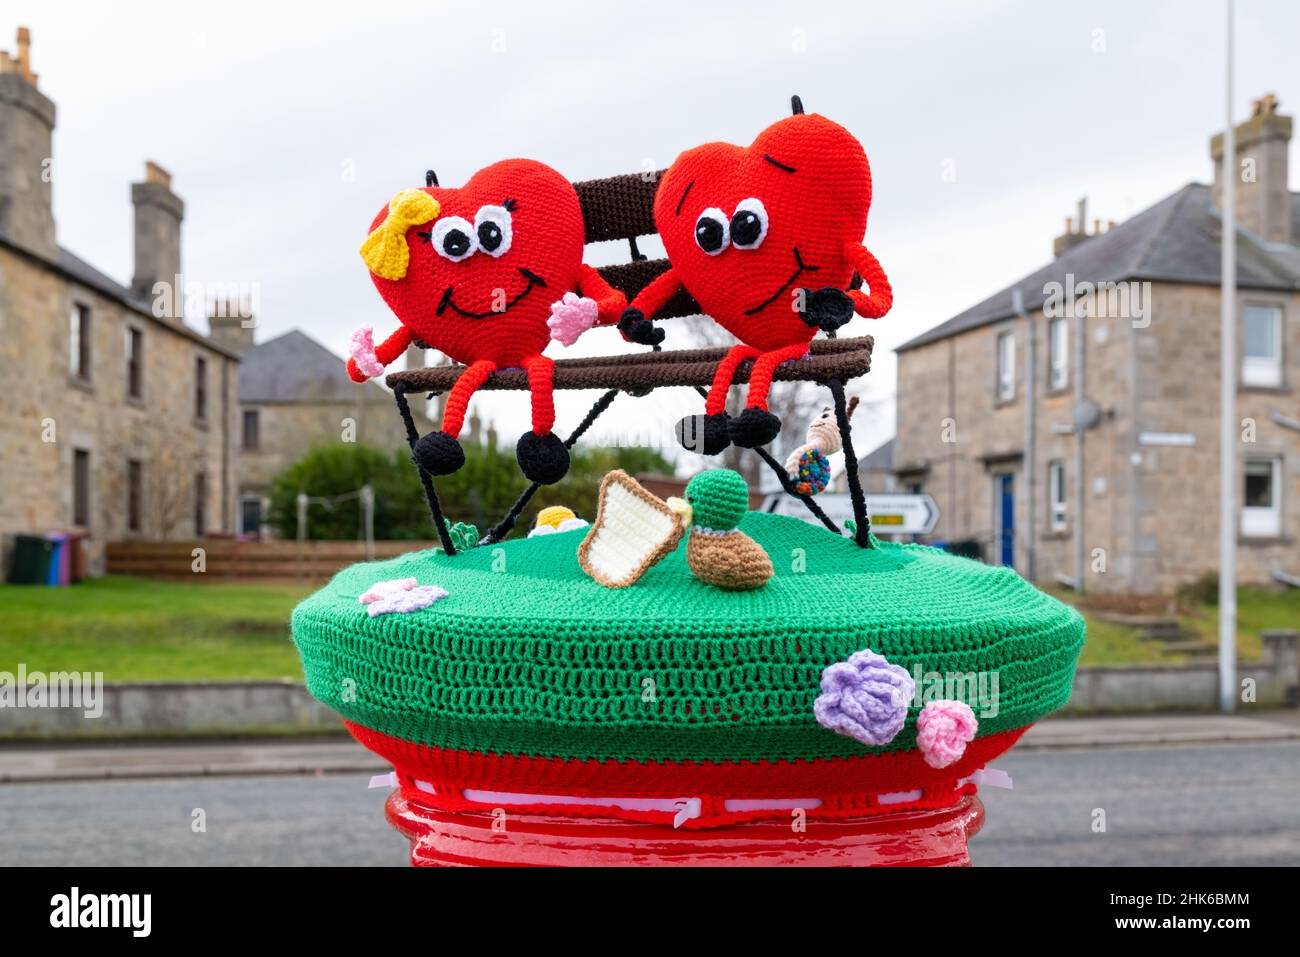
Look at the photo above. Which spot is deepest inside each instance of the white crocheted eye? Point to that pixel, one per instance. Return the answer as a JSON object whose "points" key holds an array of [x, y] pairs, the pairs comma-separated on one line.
{"points": [[711, 233], [454, 238], [749, 224], [492, 227]]}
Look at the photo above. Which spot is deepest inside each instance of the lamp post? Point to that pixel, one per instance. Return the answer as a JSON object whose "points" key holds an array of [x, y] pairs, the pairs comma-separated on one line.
{"points": [[1227, 410]]}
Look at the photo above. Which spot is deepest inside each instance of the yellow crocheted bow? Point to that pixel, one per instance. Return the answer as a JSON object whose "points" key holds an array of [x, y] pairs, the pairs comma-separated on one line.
{"points": [[385, 250]]}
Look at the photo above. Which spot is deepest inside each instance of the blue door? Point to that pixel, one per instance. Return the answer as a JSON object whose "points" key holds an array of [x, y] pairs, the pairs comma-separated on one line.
{"points": [[1006, 496]]}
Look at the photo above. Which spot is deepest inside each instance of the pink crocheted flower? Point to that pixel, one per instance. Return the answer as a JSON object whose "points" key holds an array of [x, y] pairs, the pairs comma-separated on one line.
{"points": [[943, 729], [362, 349], [865, 698], [571, 316], [400, 595]]}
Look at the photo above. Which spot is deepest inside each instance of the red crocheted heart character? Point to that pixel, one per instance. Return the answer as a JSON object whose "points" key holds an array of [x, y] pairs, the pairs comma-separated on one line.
{"points": [[486, 274], [767, 238]]}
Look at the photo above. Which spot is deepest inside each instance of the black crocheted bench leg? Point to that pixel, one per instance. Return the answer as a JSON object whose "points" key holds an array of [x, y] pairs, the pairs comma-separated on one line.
{"points": [[860, 517], [430, 494], [788, 485], [504, 527]]}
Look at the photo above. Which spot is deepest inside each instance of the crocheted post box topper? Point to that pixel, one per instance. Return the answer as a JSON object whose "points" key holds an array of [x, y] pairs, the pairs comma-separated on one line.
{"points": [[767, 238], [485, 274]]}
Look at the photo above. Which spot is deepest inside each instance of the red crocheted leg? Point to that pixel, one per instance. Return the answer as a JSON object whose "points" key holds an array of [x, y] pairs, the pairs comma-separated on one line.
{"points": [[760, 380], [541, 375], [716, 403], [453, 416]]}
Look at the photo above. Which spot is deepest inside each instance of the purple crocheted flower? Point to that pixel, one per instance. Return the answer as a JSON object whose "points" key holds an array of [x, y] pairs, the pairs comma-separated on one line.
{"points": [[865, 698]]}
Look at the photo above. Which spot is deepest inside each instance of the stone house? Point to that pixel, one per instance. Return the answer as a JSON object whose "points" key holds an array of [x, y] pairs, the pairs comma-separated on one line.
{"points": [[1069, 424], [116, 417], [294, 394]]}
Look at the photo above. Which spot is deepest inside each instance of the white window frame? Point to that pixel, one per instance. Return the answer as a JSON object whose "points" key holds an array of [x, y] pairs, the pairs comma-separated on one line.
{"points": [[1058, 353], [1006, 366], [1262, 521], [1262, 370], [1057, 501]]}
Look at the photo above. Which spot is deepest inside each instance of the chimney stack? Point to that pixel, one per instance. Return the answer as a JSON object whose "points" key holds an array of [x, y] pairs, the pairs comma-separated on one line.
{"points": [[232, 324], [26, 154], [1261, 197], [158, 215], [1074, 236]]}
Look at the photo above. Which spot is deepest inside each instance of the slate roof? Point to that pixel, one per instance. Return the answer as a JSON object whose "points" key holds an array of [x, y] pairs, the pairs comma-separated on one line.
{"points": [[880, 459], [77, 269], [294, 367], [1176, 240]]}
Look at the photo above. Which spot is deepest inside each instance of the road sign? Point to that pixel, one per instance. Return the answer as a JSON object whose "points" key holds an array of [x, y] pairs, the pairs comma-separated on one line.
{"points": [[890, 514]]}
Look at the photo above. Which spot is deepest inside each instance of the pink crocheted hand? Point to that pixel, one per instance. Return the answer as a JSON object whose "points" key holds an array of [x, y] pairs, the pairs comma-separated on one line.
{"points": [[943, 729], [571, 316], [362, 351]]}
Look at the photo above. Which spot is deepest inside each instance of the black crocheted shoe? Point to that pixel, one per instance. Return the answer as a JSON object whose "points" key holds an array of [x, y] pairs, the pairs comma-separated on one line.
{"points": [[705, 434], [542, 458], [754, 427], [438, 454]]}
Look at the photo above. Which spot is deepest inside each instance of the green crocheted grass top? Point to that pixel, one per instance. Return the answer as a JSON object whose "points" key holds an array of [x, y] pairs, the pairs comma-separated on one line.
{"points": [[528, 656]]}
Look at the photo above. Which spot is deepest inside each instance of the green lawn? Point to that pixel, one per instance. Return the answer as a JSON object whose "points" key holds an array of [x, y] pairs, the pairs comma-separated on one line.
{"points": [[133, 629], [1257, 610]]}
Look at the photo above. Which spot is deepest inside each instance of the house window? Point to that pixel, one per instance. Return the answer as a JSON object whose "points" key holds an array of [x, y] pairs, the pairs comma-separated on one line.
{"points": [[79, 341], [251, 424], [1006, 366], [250, 514], [134, 363], [134, 493], [200, 504], [200, 388], [1058, 351], [1261, 504], [81, 488], [1261, 355], [1056, 495]]}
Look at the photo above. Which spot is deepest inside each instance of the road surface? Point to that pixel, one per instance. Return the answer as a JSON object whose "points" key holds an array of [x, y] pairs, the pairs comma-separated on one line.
{"points": [[1200, 805]]}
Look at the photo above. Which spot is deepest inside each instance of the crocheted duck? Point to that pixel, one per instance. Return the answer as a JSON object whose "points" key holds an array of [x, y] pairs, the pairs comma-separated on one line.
{"points": [[809, 466], [716, 552]]}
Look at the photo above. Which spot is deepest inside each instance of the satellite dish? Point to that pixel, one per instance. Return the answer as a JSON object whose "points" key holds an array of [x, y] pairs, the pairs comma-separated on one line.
{"points": [[1086, 415]]}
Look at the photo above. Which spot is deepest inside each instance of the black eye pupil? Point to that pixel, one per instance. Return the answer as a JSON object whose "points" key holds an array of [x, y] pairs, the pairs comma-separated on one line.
{"points": [[489, 236], [455, 243], [745, 227], [708, 233]]}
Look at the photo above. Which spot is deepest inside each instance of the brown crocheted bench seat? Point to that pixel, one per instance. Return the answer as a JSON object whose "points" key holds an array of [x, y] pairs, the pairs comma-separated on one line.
{"points": [[841, 359]]}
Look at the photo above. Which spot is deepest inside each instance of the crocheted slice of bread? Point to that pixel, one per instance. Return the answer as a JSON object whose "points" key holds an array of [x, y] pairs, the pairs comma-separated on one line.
{"points": [[633, 530]]}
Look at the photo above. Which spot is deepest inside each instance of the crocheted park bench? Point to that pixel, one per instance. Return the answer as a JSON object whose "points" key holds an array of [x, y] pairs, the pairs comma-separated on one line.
{"points": [[622, 208]]}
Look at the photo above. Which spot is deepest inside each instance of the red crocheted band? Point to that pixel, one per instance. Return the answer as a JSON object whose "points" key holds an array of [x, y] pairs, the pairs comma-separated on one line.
{"points": [[722, 790]]}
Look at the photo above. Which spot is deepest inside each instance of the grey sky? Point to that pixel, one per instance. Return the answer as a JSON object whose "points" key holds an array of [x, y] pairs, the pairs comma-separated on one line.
{"points": [[287, 126]]}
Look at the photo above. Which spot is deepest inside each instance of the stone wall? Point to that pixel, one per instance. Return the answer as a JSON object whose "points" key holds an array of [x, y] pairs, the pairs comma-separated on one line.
{"points": [[1150, 510], [46, 414]]}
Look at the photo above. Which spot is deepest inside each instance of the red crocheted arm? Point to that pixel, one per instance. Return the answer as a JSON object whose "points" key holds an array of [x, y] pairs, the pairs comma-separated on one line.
{"points": [[610, 302], [656, 295], [385, 354], [875, 304]]}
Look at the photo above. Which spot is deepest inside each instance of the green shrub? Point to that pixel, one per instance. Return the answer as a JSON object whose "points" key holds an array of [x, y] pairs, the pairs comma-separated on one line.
{"points": [[481, 492]]}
